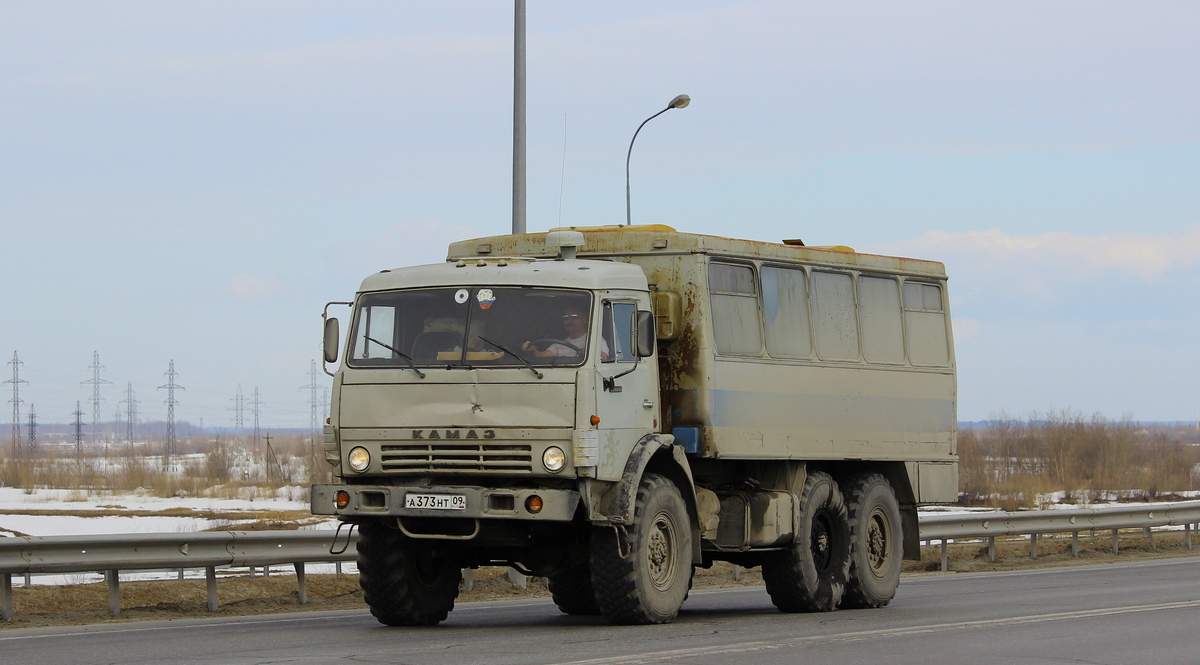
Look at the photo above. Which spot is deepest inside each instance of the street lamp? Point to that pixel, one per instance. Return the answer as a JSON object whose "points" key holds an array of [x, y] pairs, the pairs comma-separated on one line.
{"points": [[680, 101]]}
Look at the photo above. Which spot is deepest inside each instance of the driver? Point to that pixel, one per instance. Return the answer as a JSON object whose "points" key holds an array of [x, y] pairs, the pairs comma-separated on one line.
{"points": [[575, 323]]}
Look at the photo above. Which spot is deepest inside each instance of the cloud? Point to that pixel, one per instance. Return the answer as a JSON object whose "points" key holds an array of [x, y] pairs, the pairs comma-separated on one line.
{"points": [[1146, 257], [252, 287]]}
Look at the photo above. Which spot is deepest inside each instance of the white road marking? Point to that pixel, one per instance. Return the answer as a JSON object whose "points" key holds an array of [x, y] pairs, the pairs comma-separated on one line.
{"points": [[762, 645]]}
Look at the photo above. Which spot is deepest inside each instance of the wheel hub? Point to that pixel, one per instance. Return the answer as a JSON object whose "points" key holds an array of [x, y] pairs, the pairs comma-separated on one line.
{"points": [[877, 542], [660, 548]]}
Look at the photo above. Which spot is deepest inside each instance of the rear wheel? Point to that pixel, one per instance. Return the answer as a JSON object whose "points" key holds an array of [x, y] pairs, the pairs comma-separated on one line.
{"points": [[405, 581], [810, 576], [572, 592], [876, 544], [643, 578]]}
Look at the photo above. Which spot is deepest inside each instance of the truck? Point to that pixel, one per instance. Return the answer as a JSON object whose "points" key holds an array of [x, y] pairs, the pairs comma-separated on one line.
{"points": [[610, 408]]}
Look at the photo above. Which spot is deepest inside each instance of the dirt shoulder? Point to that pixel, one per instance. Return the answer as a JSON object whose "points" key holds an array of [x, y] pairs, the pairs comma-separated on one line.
{"points": [[83, 604]]}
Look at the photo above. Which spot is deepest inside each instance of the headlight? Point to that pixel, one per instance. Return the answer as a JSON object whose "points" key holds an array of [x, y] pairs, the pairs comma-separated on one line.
{"points": [[360, 459], [554, 458]]}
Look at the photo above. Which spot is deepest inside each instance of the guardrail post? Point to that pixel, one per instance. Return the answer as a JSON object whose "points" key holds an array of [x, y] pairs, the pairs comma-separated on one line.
{"points": [[992, 549], [945, 557], [1148, 534], [28, 579], [1187, 535], [468, 579], [180, 573], [1116, 543], [737, 572], [517, 579], [1074, 543], [339, 569], [114, 592], [302, 593], [6, 604], [210, 578], [1033, 541]]}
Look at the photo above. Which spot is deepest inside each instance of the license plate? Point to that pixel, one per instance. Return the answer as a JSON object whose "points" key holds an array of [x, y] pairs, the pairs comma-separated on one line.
{"points": [[435, 501]]}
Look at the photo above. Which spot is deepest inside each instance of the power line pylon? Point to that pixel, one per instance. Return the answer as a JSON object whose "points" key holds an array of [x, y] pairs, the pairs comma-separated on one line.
{"points": [[171, 387], [314, 406], [256, 404], [95, 383], [239, 405], [32, 429], [78, 429], [130, 412], [16, 402]]}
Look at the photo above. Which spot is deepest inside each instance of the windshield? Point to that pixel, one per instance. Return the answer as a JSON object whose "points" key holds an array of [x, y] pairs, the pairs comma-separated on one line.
{"points": [[471, 327]]}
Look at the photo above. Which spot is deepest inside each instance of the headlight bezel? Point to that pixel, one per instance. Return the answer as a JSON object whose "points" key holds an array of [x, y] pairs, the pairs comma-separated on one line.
{"points": [[554, 459], [364, 458]]}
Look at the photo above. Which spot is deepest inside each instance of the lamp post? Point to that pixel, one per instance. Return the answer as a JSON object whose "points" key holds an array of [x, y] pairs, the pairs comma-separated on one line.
{"points": [[680, 101]]}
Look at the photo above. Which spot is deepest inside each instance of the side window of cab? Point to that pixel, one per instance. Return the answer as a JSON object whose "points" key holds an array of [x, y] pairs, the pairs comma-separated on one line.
{"points": [[617, 342]]}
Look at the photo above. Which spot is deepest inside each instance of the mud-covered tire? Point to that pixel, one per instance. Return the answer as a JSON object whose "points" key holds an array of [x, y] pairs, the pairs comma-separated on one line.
{"points": [[876, 541], [405, 582], [643, 578], [572, 592], [810, 576]]}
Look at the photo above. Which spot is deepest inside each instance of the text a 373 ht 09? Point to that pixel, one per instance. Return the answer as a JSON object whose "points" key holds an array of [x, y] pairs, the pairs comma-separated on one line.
{"points": [[612, 407]]}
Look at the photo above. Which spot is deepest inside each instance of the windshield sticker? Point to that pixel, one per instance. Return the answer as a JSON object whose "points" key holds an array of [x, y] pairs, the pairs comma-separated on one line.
{"points": [[461, 295], [485, 298]]}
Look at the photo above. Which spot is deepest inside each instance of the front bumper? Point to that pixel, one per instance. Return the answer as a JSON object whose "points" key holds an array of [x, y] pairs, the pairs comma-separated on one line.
{"points": [[481, 502]]}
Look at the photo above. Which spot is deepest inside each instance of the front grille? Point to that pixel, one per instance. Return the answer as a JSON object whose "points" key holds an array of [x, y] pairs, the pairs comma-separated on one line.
{"points": [[457, 457]]}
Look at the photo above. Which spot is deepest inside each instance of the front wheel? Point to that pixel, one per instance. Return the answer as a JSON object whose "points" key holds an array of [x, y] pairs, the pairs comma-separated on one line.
{"points": [[643, 577], [876, 544], [406, 582], [810, 576]]}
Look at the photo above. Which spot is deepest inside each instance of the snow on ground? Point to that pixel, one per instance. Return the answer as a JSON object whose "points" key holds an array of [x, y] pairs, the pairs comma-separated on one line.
{"points": [[12, 500]]}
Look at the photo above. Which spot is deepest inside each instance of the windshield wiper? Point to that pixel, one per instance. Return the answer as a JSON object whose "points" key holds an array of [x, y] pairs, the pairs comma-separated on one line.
{"points": [[509, 352], [399, 353]]}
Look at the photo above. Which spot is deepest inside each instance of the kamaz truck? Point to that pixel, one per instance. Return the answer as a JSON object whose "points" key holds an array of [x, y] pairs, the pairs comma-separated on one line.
{"points": [[610, 408]]}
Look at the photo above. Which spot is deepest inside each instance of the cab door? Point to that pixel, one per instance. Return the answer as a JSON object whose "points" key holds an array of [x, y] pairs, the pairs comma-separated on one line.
{"points": [[627, 386]]}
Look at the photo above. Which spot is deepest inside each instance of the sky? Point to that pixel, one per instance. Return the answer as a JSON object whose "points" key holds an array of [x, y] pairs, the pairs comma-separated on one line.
{"points": [[192, 182]]}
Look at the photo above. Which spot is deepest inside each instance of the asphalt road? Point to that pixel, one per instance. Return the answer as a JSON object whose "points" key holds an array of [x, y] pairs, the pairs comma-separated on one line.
{"points": [[1115, 613]]}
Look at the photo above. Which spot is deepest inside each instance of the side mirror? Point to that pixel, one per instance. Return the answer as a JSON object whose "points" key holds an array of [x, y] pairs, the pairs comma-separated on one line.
{"points": [[331, 340], [645, 334]]}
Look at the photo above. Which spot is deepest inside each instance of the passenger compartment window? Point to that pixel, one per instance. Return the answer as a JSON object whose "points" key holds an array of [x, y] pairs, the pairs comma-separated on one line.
{"points": [[925, 323], [879, 317], [736, 326], [834, 319], [785, 312]]}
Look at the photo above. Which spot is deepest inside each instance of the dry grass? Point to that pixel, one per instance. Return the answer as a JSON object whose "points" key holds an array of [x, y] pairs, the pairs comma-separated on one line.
{"points": [[1009, 463]]}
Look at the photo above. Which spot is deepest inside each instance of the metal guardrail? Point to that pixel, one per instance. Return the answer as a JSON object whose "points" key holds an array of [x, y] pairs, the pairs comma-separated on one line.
{"points": [[209, 550], [1034, 523], [110, 554]]}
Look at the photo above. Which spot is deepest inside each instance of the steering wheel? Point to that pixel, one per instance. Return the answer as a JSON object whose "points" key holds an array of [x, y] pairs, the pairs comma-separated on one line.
{"points": [[545, 342]]}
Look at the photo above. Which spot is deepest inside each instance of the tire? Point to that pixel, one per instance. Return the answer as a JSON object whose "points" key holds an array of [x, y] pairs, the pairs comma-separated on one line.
{"points": [[572, 592], [876, 542], [649, 583], [405, 582], [811, 575]]}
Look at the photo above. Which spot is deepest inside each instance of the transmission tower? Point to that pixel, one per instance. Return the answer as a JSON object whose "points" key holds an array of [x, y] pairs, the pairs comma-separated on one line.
{"points": [[130, 412], [256, 404], [78, 429], [16, 402], [314, 405], [171, 387], [239, 405], [96, 382], [32, 429]]}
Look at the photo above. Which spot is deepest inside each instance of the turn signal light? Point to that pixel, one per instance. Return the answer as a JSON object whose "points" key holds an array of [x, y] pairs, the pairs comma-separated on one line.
{"points": [[341, 499], [534, 504], [595, 420]]}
